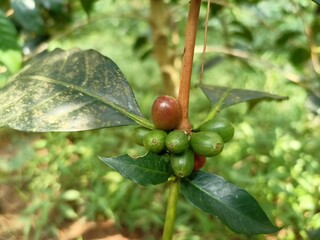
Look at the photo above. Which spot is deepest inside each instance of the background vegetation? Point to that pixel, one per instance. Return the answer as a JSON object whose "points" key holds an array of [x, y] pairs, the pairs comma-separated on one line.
{"points": [[51, 182]]}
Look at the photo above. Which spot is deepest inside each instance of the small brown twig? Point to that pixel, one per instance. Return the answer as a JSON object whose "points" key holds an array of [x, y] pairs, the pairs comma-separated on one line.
{"points": [[204, 42]]}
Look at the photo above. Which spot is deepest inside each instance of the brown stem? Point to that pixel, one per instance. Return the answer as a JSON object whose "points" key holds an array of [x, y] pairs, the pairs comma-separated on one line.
{"points": [[190, 39], [204, 42]]}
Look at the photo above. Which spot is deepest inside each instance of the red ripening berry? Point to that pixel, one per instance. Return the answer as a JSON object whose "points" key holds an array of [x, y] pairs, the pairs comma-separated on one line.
{"points": [[166, 113], [199, 161]]}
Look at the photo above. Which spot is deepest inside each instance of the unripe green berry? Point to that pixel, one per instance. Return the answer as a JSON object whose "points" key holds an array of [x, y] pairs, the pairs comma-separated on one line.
{"points": [[155, 141], [206, 144], [221, 126], [139, 134], [177, 141], [182, 164]]}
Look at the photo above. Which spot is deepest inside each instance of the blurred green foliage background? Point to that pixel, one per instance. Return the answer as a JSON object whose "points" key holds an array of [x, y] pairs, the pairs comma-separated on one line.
{"points": [[50, 181]]}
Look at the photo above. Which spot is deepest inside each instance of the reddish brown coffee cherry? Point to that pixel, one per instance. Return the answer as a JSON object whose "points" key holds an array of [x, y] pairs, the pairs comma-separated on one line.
{"points": [[166, 113], [199, 162]]}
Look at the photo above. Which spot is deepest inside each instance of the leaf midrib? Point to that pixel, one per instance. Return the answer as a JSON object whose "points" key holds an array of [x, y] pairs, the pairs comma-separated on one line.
{"points": [[117, 107]]}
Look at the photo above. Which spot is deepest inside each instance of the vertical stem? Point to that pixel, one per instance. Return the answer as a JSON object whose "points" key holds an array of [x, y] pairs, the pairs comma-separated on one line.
{"points": [[183, 97], [171, 209], [190, 39]]}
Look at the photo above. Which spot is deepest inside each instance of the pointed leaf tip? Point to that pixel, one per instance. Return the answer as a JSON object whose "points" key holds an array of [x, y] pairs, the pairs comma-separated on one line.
{"points": [[150, 169], [70, 90], [226, 97], [235, 207]]}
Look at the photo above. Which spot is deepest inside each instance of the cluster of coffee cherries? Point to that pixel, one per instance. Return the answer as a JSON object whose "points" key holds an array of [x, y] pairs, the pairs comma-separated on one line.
{"points": [[187, 152]]}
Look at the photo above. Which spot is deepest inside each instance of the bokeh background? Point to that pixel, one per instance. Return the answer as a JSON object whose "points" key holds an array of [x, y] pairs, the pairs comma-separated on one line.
{"points": [[53, 186]]}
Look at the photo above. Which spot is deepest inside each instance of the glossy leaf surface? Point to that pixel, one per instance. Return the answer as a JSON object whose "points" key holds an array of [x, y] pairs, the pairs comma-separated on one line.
{"points": [[233, 206], [150, 169], [227, 97], [68, 91]]}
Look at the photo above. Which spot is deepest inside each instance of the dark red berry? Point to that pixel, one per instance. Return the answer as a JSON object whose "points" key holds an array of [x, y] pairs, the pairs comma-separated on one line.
{"points": [[199, 162], [166, 113]]}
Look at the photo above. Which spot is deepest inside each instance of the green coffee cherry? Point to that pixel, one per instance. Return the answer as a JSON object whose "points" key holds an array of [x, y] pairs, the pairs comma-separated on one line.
{"points": [[139, 134], [154, 141], [182, 164], [177, 141], [221, 126], [206, 144]]}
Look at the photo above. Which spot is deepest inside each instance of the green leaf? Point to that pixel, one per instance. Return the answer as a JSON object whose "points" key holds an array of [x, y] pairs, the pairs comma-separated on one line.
{"points": [[12, 59], [69, 91], [316, 1], [233, 206], [299, 56], [239, 30], [225, 97], [8, 33], [287, 36], [27, 14], [150, 169], [10, 53], [87, 5]]}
